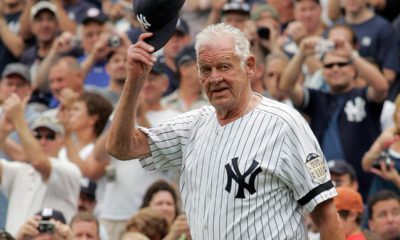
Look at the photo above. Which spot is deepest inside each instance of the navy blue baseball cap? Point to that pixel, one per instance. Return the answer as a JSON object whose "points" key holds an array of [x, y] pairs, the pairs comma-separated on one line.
{"points": [[50, 213], [159, 17], [187, 54], [341, 167]]}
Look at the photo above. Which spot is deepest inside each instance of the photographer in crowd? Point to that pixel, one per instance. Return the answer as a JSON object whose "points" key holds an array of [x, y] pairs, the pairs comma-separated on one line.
{"points": [[48, 224], [339, 117]]}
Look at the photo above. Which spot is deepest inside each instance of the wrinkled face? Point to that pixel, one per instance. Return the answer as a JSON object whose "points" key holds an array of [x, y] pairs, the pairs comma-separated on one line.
{"points": [[50, 142], [116, 67], [385, 219], [236, 20], [14, 84], [82, 230], [338, 72], [90, 34], [272, 77], [80, 118], [175, 44], [60, 77], [163, 202], [45, 26], [354, 6], [223, 78], [309, 13], [154, 87]]}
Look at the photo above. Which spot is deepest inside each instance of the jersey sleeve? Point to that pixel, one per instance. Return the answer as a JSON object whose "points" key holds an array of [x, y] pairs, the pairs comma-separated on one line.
{"points": [[168, 141], [303, 166]]}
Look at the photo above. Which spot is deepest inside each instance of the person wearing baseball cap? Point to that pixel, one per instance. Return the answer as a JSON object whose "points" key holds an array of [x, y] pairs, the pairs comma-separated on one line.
{"points": [[15, 78], [349, 205], [235, 13], [189, 95], [343, 174], [48, 223], [44, 26], [96, 48], [87, 196], [40, 178]]}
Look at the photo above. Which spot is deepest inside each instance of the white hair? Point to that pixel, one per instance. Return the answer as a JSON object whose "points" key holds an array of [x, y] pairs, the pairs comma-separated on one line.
{"points": [[212, 32]]}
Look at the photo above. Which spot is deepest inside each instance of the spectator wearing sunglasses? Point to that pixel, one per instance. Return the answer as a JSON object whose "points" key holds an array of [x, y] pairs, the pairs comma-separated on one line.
{"points": [[345, 120], [43, 180]]}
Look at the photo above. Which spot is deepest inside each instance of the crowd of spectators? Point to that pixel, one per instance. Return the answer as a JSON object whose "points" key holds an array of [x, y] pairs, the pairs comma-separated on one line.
{"points": [[63, 68]]}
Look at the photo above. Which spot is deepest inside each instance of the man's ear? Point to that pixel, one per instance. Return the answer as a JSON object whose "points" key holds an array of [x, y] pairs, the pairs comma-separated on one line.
{"points": [[250, 65]]}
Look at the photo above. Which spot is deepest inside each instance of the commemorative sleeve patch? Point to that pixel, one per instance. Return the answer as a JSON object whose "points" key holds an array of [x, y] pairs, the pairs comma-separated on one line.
{"points": [[316, 167]]}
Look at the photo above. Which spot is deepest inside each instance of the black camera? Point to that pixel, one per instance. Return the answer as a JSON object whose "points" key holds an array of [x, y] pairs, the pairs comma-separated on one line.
{"points": [[263, 33], [383, 157], [45, 226], [114, 42]]}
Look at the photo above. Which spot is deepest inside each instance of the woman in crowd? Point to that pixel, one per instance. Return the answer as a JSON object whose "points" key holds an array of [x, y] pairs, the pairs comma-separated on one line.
{"points": [[162, 196], [383, 158], [84, 118]]}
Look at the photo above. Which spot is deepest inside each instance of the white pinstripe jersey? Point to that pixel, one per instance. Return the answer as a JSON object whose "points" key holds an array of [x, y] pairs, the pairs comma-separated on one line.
{"points": [[248, 179]]}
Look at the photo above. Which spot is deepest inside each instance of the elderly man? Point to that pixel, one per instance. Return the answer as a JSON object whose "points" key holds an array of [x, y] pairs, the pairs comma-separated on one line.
{"points": [[240, 157], [64, 73]]}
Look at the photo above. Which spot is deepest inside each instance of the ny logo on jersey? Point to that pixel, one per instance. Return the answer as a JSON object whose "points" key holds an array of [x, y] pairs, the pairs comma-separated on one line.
{"points": [[240, 179], [142, 20], [355, 111]]}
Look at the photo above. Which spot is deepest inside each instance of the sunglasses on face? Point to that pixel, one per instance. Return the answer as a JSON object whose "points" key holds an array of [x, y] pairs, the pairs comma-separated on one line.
{"points": [[49, 137], [339, 64]]}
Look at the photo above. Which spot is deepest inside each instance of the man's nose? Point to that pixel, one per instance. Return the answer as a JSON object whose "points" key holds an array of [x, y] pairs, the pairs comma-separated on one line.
{"points": [[215, 76]]}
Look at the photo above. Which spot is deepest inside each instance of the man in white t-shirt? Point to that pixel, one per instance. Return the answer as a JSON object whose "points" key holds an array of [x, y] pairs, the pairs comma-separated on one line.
{"points": [[250, 165], [43, 180]]}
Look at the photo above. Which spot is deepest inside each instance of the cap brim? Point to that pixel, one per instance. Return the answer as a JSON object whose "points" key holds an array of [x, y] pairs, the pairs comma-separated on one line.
{"points": [[48, 126], [161, 37]]}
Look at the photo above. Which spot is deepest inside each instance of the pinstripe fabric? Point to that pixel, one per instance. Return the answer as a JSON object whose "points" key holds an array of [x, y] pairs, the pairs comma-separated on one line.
{"points": [[275, 136]]}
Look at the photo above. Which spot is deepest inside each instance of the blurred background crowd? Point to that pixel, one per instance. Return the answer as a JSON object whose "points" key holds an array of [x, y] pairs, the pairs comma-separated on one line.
{"points": [[62, 65]]}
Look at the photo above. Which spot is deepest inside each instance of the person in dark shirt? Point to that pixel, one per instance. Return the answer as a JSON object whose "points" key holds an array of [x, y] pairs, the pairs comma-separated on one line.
{"points": [[177, 42], [11, 44], [340, 117]]}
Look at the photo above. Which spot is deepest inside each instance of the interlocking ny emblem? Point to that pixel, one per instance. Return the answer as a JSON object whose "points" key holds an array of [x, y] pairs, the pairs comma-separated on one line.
{"points": [[142, 20], [241, 179]]}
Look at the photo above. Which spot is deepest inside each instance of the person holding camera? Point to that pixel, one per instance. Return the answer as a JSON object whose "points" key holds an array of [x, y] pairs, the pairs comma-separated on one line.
{"points": [[383, 158], [267, 38], [339, 117], [97, 43], [48, 224]]}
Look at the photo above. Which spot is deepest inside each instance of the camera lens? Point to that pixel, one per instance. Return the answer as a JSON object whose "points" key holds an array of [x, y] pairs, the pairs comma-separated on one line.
{"points": [[114, 42], [263, 33]]}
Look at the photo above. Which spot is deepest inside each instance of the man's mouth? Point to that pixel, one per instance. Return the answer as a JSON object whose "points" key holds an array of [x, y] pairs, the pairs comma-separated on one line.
{"points": [[217, 90]]}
